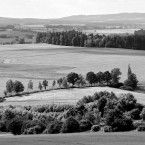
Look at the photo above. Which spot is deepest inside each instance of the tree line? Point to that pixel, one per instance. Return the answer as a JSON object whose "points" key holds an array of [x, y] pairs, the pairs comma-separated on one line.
{"points": [[73, 79], [76, 38]]}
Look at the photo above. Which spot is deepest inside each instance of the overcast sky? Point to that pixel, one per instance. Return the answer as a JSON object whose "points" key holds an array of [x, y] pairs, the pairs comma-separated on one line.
{"points": [[62, 8]]}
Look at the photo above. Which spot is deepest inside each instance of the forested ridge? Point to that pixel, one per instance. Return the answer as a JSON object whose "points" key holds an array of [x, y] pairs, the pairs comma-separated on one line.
{"points": [[76, 38]]}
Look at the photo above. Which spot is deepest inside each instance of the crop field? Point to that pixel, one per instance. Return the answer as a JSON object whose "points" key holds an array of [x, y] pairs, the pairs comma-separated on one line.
{"points": [[44, 61], [110, 31], [100, 138]]}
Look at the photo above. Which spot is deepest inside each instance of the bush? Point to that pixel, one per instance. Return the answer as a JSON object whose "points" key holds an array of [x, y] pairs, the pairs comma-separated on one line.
{"points": [[70, 126], [108, 129], [139, 106], [54, 127], [142, 115], [95, 128], [118, 121], [34, 130], [30, 131], [125, 124], [116, 85], [135, 114], [8, 114], [90, 117], [138, 123], [141, 128], [45, 131], [126, 88], [37, 129], [15, 126], [85, 125], [3, 126], [28, 124]]}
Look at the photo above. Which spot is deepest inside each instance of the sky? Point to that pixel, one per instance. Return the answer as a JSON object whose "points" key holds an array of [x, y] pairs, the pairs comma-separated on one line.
{"points": [[62, 8]]}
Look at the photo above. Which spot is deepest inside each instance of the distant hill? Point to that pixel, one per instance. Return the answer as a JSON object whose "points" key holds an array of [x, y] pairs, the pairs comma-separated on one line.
{"points": [[4, 20], [81, 19], [108, 17]]}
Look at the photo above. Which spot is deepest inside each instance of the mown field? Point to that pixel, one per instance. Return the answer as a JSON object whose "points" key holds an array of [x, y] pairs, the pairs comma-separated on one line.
{"points": [[127, 138], [44, 61]]}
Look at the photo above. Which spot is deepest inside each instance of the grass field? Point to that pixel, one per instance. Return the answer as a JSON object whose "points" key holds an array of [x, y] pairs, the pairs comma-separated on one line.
{"points": [[44, 61], [100, 138], [65, 96]]}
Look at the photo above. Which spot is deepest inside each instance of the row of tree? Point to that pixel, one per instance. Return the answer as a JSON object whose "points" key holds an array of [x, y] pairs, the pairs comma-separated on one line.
{"points": [[76, 38], [73, 79]]}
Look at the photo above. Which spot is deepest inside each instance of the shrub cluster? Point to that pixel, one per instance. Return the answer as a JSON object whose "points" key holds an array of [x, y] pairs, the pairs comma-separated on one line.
{"points": [[101, 110]]}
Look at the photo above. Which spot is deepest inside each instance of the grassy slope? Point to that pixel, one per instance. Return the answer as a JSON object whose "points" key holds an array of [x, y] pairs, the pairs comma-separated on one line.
{"points": [[127, 138], [39, 61], [70, 96]]}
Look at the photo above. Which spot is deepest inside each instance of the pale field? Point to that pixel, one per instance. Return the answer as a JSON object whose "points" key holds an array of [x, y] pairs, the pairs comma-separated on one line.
{"points": [[44, 61], [110, 31], [65, 96], [99, 138]]}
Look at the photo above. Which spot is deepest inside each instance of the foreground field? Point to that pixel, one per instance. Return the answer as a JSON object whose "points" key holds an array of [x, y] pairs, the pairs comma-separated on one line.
{"points": [[127, 138], [70, 96], [43, 61]]}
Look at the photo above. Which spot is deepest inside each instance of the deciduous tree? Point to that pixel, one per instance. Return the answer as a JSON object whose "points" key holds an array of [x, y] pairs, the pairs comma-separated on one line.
{"points": [[18, 87], [91, 78], [45, 84], [72, 78]]}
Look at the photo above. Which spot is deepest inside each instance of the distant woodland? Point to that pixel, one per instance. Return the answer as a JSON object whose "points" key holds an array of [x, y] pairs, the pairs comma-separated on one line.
{"points": [[76, 38]]}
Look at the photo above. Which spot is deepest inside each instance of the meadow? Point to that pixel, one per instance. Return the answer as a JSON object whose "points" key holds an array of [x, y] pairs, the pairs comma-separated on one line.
{"points": [[99, 138]]}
